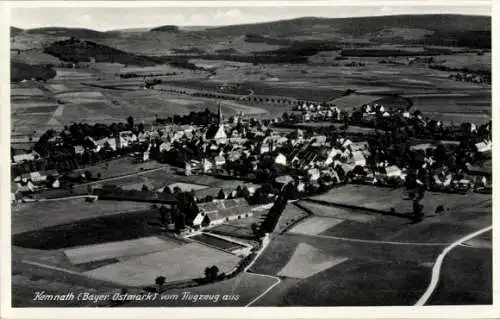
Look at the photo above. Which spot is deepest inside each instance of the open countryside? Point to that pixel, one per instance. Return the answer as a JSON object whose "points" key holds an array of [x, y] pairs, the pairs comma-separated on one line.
{"points": [[304, 162]]}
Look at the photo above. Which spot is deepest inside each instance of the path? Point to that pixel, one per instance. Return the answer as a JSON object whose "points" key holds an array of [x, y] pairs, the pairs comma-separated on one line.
{"points": [[368, 241], [278, 281], [436, 269]]}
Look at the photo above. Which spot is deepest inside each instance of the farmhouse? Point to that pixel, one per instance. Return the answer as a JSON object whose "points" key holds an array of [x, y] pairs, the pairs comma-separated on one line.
{"points": [[19, 158], [484, 147], [280, 159], [392, 171], [220, 211], [219, 161]]}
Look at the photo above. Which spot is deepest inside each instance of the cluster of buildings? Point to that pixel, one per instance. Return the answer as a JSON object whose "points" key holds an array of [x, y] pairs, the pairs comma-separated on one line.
{"points": [[315, 112], [242, 147]]}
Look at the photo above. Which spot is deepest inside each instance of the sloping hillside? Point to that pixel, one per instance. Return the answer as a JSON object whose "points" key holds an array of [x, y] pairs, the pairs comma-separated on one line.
{"points": [[362, 25], [67, 32]]}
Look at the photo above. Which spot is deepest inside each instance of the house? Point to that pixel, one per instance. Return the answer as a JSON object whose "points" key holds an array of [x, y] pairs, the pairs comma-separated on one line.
{"points": [[358, 159], [392, 171], [219, 161], [14, 192], [264, 148], [284, 179], [206, 165], [56, 184], [318, 140], [25, 186], [19, 158], [165, 147], [359, 146], [306, 117], [125, 138], [313, 174], [280, 159], [37, 177], [442, 179], [331, 155], [344, 142], [484, 147], [79, 149], [221, 211]]}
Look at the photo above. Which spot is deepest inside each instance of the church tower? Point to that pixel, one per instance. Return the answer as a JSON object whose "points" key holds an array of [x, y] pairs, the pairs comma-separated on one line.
{"points": [[221, 119], [217, 132]]}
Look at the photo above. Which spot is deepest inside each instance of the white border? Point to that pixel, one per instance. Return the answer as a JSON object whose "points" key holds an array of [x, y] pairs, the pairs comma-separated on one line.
{"points": [[302, 312]]}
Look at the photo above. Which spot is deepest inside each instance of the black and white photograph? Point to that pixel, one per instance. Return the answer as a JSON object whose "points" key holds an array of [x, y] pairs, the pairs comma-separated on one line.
{"points": [[265, 155]]}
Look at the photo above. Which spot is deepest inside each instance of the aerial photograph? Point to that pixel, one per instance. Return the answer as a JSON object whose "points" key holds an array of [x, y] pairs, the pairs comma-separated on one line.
{"points": [[258, 156]]}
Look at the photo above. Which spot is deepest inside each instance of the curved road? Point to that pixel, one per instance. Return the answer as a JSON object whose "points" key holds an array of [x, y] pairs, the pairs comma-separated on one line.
{"points": [[436, 269]]}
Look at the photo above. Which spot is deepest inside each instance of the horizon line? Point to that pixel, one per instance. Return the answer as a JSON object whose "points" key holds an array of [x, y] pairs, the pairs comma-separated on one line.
{"points": [[252, 23]]}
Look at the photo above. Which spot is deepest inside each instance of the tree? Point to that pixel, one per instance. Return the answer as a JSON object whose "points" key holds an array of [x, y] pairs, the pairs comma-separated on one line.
{"points": [[159, 282], [255, 228], [164, 217], [211, 273], [88, 175], [177, 190], [167, 190], [221, 194], [130, 122], [144, 188], [440, 209]]}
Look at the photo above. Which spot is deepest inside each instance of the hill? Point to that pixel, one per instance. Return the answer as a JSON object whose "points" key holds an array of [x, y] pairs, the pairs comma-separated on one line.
{"points": [[166, 28], [75, 50], [15, 31], [359, 26], [21, 71], [67, 32]]}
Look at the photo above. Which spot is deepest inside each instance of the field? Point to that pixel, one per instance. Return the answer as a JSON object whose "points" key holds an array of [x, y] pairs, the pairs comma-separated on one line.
{"points": [[181, 263], [31, 216], [315, 259], [390, 254], [245, 287], [315, 225], [118, 250], [383, 199], [291, 215], [216, 242]]}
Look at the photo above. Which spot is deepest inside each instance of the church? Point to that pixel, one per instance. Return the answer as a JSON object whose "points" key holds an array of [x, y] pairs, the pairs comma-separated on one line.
{"points": [[216, 132]]}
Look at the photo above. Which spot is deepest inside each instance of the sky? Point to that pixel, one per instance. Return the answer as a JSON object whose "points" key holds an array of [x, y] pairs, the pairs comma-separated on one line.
{"points": [[104, 19]]}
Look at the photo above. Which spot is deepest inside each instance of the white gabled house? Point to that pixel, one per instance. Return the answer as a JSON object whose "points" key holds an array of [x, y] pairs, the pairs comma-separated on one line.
{"points": [[280, 159]]}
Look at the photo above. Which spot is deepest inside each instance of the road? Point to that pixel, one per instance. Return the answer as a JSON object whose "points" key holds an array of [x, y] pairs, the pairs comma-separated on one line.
{"points": [[436, 269]]}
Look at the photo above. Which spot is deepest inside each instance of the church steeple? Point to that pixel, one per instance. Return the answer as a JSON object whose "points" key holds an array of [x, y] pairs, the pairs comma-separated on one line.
{"points": [[221, 119]]}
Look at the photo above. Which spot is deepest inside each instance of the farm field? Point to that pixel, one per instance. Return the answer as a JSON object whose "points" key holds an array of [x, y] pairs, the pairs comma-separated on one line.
{"points": [[118, 250], [383, 283], [391, 254], [282, 247], [383, 199], [291, 215], [245, 286], [216, 242], [229, 229], [181, 263], [315, 225], [32, 216], [315, 259], [337, 212], [466, 278]]}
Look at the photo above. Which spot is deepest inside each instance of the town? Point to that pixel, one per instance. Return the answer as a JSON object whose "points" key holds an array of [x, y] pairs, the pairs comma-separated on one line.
{"points": [[221, 167]]}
